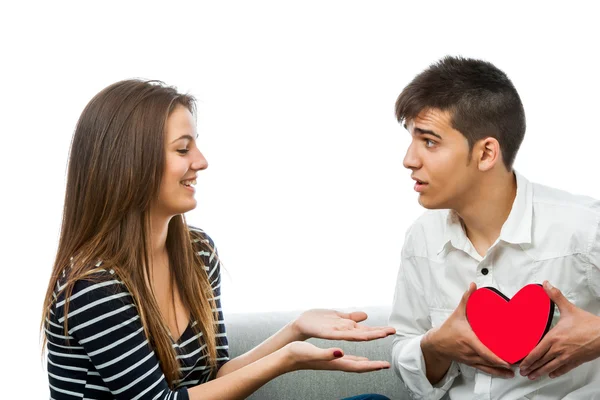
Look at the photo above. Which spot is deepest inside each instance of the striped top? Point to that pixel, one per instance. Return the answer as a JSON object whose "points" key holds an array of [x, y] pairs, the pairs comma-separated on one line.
{"points": [[107, 355]]}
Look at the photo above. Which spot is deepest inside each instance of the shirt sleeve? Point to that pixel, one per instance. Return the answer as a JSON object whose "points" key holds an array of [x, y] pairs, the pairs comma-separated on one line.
{"points": [[593, 272], [105, 323], [410, 317]]}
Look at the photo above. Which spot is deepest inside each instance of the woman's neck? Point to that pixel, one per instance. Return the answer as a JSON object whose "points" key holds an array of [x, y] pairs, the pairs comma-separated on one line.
{"points": [[160, 229]]}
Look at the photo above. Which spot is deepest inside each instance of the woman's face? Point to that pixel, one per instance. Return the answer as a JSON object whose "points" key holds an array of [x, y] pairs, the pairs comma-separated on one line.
{"points": [[182, 162]]}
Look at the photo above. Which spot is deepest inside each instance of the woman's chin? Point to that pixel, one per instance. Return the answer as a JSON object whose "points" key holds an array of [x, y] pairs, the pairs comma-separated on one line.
{"points": [[183, 207]]}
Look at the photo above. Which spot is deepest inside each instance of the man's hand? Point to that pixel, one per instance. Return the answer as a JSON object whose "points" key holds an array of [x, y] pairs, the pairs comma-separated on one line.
{"points": [[335, 325], [454, 340], [574, 340]]}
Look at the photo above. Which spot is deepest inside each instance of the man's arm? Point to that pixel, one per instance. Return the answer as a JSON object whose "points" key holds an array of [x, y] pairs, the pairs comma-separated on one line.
{"points": [[576, 337], [454, 340], [425, 358], [410, 317], [436, 365], [573, 341]]}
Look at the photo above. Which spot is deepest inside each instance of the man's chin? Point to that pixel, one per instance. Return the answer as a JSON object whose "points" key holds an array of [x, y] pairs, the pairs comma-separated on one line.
{"points": [[428, 203]]}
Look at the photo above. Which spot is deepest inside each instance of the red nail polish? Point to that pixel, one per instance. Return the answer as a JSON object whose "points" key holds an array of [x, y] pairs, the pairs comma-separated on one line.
{"points": [[337, 353]]}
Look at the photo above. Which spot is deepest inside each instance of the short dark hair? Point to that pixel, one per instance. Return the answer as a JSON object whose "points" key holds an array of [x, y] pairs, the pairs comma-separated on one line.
{"points": [[481, 99]]}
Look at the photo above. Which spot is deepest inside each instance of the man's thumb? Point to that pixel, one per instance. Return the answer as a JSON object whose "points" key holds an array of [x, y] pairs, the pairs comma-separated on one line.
{"points": [[467, 294], [556, 296]]}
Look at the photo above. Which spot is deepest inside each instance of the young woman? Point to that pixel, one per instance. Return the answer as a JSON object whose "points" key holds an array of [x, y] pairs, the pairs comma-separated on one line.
{"points": [[132, 309]]}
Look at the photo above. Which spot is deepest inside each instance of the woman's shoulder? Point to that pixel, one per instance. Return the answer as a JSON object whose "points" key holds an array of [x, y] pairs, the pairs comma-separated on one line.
{"points": [[97, 276], [95, 287], [206, 249], [203, 245], [200, 237]]}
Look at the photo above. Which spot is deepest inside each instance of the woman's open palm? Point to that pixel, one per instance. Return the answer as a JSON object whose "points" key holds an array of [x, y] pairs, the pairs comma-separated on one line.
{"points": [[335, 325], [309, 356]]}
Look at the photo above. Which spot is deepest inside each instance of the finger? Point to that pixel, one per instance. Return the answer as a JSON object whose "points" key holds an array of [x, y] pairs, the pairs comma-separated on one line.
{"points": [[487, 355], [348, 365], [356, 316], [500, 372], [463, 301], [545, 369], [563, 369], [538, 356], [355, 358], [357, 335], [329, 354], [556, 296], [389, 330]]}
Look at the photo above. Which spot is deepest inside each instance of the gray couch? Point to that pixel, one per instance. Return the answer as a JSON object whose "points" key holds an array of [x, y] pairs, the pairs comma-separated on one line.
{"points": [[247, 330]]}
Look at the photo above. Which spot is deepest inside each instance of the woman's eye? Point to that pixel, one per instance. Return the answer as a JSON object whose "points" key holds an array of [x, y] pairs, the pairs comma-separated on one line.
{"points": [[182, 151]]}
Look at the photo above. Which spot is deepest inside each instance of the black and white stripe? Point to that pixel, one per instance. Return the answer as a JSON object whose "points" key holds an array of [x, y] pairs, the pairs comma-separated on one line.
{"points": [[106, 354]]}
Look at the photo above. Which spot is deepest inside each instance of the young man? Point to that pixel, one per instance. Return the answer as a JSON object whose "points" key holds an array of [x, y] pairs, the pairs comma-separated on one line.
{"points": [[488, 226]]}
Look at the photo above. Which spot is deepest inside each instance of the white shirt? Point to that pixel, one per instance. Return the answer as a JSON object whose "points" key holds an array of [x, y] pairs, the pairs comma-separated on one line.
{"points": [[549, 235]]}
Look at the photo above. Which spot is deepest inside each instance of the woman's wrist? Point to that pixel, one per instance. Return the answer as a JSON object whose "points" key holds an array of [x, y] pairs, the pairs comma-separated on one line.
{"points": [[296, 333], [285, 359]]}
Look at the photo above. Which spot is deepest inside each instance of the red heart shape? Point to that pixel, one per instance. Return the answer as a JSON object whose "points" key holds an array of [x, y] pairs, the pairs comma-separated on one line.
{"points": [[510, 328]]}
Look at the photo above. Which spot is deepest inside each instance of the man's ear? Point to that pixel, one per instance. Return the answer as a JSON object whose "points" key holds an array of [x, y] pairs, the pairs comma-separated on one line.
{"points": [[488, 153]]}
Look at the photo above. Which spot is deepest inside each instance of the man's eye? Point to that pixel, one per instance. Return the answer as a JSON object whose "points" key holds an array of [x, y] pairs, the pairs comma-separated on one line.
{"points": [[182, 151], [429, 143]]}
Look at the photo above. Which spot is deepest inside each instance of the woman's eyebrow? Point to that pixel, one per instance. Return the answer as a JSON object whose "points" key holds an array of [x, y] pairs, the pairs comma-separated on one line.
{"points": [[188, 137]]}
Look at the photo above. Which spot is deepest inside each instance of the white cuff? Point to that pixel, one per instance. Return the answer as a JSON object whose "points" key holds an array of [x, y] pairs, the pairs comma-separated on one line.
{"points": [[409, 364]]}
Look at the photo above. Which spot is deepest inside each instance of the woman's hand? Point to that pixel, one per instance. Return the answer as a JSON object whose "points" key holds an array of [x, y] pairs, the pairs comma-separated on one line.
{"points": [[303, 355], [335, 325]]}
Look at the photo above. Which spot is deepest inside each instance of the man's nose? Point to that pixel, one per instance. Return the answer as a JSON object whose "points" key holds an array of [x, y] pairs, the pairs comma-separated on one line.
{"points": [[411, 159]]}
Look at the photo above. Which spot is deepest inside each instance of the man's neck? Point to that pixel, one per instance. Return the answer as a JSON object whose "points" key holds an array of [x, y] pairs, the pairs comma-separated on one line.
{"points": [[484, 216]]}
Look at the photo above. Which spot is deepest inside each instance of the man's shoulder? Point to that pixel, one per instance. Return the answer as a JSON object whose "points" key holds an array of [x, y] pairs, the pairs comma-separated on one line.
{"points": [[430, 219], [427, 232], [563, 204], [565, 223]]}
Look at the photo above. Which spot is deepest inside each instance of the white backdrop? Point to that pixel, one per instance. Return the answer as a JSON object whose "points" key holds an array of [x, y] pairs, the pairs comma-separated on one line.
{"points": [[305, 196]]}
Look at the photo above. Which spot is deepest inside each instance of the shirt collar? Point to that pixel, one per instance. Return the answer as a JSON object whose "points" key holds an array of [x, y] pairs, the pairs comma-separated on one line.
{"points": [[454, 233], [516, 229]]}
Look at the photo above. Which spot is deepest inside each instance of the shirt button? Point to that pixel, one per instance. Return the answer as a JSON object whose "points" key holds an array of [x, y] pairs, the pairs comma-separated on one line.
{"points": [[484, 271]]}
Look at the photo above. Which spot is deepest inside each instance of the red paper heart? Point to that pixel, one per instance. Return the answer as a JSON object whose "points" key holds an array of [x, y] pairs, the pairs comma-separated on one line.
{"points": [[510, 328]]}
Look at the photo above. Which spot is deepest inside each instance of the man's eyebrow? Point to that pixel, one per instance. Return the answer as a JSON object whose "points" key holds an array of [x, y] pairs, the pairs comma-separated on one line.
{"points": [[420, 131], [188, 137]]}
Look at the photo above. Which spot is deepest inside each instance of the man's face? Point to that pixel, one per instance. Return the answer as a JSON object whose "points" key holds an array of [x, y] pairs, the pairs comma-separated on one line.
{"points": [[439, 159]]}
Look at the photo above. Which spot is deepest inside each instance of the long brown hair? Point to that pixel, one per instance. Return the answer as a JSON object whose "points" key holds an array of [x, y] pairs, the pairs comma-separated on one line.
{"points": [[115, 168]]}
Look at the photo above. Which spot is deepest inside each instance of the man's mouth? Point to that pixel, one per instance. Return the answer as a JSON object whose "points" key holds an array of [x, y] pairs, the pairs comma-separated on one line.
{"points": [[419, 185]]}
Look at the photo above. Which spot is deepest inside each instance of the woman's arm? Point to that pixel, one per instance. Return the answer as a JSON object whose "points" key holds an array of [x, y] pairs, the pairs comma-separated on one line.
{"points": [[104, 329], [285, 335], [294, 356], [324, 324]]}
